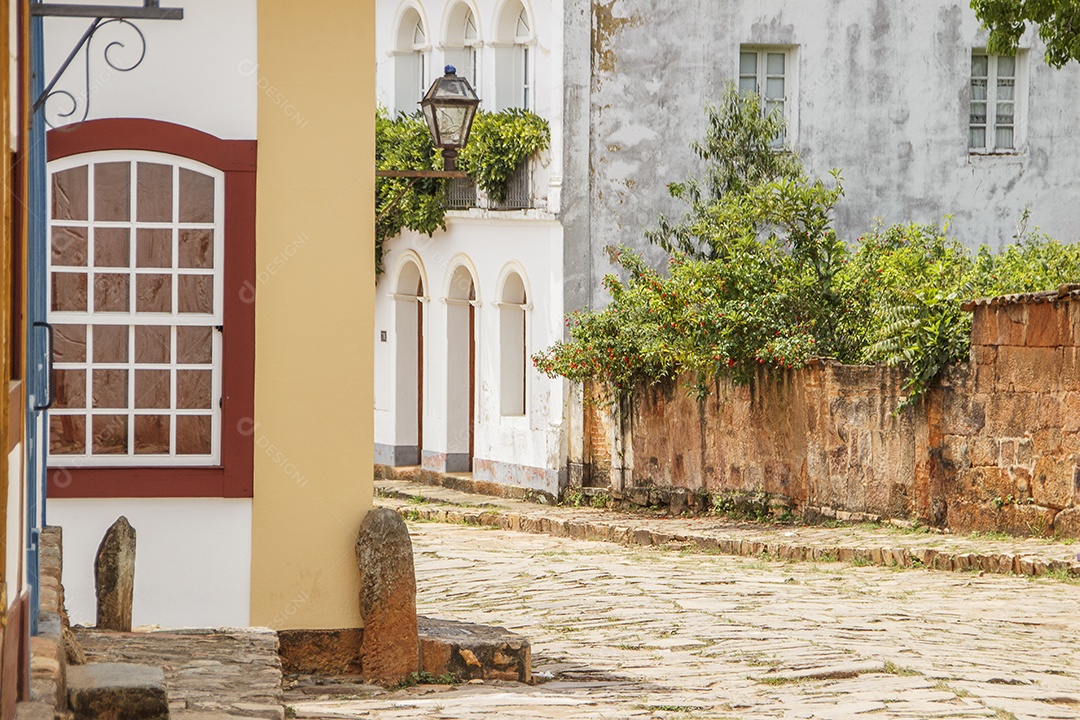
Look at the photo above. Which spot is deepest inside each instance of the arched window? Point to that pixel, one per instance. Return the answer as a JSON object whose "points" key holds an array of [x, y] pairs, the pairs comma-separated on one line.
{"points": [[463, 44], [409, 364], [513, 351], [410, 63], [514, 57]]}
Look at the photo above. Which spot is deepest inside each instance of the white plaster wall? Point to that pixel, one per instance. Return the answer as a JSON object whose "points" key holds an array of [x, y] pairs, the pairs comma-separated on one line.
{"points": [[192, 558], [546, 16], [530, 242], [200, 72]]}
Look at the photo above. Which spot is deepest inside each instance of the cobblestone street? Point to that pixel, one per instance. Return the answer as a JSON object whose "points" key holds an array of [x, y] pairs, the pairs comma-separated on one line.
{"points": [[652, 632]]}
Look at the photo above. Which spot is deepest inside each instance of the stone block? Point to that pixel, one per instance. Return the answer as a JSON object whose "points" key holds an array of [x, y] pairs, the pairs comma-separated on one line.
{"points": [[118, 691], [1067, 523], [1027, 369], [387, 597], [472, 651], [1069, 380], [114, 576], [983, 452], [321, 652], [1052, 482], [1010, 321], [1047, 325], [1021, 520], [984, 330]]}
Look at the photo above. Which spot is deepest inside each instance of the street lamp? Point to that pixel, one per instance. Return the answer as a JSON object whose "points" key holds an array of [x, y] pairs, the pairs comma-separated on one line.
{"points": [[449, 108]]}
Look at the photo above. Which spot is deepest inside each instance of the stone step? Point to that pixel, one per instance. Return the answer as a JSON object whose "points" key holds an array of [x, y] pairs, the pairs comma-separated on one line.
{"points": [[117, 691], [472, 652]]}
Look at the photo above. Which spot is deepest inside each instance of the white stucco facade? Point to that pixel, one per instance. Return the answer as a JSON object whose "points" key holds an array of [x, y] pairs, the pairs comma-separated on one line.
{"points": [[193, 557], [439, 403]]}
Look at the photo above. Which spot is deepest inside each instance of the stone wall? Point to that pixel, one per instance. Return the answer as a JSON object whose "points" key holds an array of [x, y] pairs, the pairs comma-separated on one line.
{"points": [[995, 446]]}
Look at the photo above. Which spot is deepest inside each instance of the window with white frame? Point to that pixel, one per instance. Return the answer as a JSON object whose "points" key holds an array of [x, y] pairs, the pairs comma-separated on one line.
{"points": [[765, 71], [463, 44], [514, 58], [522, 36], [136, 300], [471, 51], [992, 123], [410, 63]]}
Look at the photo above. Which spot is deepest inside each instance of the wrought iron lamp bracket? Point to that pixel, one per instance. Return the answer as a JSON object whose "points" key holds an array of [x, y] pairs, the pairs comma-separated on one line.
{"points": [[102, 15]]}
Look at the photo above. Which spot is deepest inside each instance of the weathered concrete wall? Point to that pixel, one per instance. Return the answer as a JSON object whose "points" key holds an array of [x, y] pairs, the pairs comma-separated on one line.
{"points": [[878, 89], [995, 446]]}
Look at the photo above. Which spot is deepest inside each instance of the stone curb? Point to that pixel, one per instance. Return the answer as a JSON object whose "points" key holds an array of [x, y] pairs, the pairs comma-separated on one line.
{"points": [[929, 558]]}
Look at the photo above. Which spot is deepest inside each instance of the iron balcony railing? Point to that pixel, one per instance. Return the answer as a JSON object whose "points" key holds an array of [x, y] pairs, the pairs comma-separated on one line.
{"points": [[461, 193], [518, 189]]}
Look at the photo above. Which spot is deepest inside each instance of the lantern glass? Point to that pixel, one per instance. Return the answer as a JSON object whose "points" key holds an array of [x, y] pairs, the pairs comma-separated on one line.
{"points": [[449, 108]]}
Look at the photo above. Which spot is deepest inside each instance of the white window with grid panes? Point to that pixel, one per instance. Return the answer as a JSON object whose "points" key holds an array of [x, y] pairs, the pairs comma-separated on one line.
{"points": [[764, 71], [993, 116], [136, 294]]}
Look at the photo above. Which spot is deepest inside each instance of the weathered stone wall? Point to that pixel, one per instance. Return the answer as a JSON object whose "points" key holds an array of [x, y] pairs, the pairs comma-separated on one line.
{"points": [[995, 446], [1009, 427]]}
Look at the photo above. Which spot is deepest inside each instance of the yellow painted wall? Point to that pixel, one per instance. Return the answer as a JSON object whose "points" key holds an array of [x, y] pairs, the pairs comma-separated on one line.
{"points": [[314, 326]]}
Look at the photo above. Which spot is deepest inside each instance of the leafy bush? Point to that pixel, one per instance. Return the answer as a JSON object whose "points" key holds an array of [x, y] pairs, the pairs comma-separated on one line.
{"points": [[404, 143], [499, 142], [758, 279]]}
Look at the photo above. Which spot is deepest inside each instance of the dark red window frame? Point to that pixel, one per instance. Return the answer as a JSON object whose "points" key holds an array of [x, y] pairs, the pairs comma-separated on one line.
{"points": [[236, 159]]}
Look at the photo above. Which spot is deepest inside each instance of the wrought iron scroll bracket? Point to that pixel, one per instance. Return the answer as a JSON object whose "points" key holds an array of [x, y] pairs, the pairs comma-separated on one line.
{"points": [[120, 15]]}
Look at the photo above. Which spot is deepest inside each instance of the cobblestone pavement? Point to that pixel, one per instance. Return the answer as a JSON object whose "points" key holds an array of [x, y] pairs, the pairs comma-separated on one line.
{"points": [[209, 674], [863, 543], [653, 632]]}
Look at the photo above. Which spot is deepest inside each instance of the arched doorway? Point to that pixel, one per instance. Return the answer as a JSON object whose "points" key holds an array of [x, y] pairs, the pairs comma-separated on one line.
{"points": [[409, 364], [461, 370]]}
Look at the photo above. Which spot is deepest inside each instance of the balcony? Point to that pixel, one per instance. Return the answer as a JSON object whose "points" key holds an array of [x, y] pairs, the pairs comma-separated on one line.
{"points": [[462, 193]]}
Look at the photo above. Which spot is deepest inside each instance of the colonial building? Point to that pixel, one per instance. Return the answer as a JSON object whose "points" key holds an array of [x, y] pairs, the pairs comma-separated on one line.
{"points": [[902, 98], [209, 275], [459, 314]]}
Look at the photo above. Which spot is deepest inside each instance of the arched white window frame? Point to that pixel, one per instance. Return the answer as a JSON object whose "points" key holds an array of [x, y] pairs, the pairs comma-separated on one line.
{"points": [[411, 55], [463, 42], [515, 56], [514, 311], [134, 319]]}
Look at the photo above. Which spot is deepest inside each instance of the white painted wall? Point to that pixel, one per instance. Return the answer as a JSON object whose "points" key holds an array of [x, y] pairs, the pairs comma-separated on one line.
{"points": [[546, 16], [201, 71], [531, 243], [192, 558]]}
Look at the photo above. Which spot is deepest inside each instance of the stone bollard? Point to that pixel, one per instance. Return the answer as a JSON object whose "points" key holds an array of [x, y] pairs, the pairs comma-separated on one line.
{"points": [[114, 576], [391, 645]]}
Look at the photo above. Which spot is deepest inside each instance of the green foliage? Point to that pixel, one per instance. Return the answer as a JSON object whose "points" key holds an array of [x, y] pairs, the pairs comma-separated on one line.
{"points": [[1058, 21], [758, 280], [404, 143], [499, 142], [740, 162]]}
